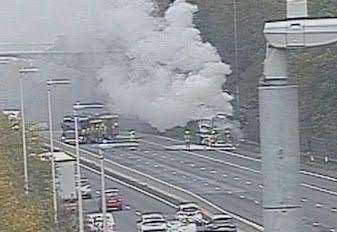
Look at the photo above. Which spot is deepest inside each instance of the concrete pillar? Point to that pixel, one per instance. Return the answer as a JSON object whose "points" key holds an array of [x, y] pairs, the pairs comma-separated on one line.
{"points": [[281, 158]]}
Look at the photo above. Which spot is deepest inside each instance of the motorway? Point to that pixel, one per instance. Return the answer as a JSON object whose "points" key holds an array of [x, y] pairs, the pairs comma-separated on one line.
{"points": [[228, 180], [126, 219]]}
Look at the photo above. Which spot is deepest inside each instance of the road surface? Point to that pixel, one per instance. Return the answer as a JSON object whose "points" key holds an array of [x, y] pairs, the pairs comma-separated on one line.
{"points": [[230, 181], [126, 219]]}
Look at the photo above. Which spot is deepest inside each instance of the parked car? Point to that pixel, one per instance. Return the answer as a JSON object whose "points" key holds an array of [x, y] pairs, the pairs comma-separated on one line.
{"points": [[191, 212]]}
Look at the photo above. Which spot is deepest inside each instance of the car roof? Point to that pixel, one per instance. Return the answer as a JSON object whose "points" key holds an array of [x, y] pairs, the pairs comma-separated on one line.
{"points": [[112, 190], [221, 216], [152, 215], [188, 204]]}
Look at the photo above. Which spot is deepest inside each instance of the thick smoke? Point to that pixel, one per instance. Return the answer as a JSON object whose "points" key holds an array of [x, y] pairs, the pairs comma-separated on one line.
{"points": [[157, 69], [161, 70]]}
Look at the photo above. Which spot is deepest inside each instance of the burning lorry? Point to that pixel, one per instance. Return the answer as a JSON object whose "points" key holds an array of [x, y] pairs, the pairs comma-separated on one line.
{"points": [[91, 128]]}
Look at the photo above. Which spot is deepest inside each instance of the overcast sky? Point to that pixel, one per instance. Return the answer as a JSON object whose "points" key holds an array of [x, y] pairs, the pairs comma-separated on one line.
{"points": [[41, 20]]}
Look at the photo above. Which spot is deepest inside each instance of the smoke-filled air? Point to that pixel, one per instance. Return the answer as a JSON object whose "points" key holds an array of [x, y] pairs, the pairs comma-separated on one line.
{"points": [[163, 72], [158, 67]]}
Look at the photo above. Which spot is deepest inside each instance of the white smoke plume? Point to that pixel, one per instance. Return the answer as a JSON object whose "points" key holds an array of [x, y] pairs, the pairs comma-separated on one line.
{"points": [[161, 70]]}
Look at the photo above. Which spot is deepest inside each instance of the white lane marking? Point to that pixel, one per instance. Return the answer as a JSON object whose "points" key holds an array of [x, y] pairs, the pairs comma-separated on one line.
{"points": [[326, 177], [133, 187], [319, 189], [319, 175], [213, 159], [255, 171], [243, 220], [239, 218], [318, 205], [239, 155]]}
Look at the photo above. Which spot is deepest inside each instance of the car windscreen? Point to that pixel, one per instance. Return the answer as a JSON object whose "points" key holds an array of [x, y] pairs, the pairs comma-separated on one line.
{"points": [[190, 209], [222, 220]]}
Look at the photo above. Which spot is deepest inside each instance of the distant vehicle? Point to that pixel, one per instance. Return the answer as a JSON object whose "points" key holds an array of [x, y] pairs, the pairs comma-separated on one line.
{"points": [[94, 222], [153, 216], [153, 226], [65, 166], [93, 128], [108, 192], [69, 137], [86, 189], [221, 222], [114, 200], [176, 225], [152, 222], [190, 212], [12, 114], [15, 127]]}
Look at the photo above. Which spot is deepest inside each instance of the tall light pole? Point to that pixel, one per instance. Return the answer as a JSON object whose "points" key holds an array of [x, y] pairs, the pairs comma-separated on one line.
{"points": [[103, 200], [279, 124], [76, 108], [23, 72], [50, 84], [236, 57]]}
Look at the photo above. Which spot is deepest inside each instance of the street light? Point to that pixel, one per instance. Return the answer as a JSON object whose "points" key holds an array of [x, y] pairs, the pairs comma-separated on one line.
{"points": [[236, 57], [103, 200], [77, 107], [23, 72], [50, 84]]}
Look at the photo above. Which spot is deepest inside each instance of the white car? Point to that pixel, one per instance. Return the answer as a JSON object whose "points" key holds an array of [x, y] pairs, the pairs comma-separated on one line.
{"points": [[190, 212], [150, 221], [153, 226], [148, 217], [109, 192], [176, 225], [86, 190], [94, 222]]}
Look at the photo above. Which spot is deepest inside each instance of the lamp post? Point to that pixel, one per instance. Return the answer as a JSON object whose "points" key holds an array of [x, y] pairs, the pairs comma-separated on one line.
{"points": [[77, 107], [236, 57], [23, 72], [50, 84], [103, 200]]}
